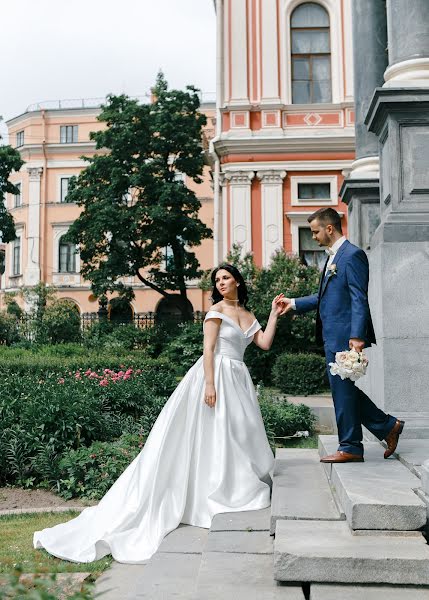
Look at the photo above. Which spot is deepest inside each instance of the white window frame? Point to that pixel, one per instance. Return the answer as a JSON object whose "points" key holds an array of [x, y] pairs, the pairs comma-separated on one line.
{"points": [[19, 237], [63, 200], [58, 232], [64, 128], [61, 176], [298, 220], [14, 205], [331, 179], [20, 138], [334, 11]]}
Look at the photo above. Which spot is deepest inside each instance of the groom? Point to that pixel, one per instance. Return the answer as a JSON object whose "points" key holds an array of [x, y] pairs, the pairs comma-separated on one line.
{"points": [[343, 322]]}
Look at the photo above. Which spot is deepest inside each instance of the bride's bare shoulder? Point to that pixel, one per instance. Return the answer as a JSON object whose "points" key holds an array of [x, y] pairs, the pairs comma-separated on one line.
{"points": [[217, 307]]}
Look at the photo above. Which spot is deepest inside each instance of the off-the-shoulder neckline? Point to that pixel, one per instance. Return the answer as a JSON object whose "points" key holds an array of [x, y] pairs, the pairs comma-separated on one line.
{"points": [[232, 321]]}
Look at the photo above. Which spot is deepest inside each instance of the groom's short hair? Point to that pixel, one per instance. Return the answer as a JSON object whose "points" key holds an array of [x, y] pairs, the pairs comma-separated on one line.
{"points": [[327, 216]]}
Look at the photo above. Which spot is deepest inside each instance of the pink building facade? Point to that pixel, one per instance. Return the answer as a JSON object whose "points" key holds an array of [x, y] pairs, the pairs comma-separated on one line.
{"points": [[285, 122], [51, 142]]}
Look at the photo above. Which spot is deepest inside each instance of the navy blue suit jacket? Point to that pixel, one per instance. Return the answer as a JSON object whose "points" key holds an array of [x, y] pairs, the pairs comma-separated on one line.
{"points": [[342, 302]]}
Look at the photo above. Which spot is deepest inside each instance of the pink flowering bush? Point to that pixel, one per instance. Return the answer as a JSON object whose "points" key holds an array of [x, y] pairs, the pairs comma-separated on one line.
{"points": [[45, 415]]}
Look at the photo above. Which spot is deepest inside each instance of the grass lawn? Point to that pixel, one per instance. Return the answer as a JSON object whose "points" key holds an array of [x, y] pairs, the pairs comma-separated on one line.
{"points": [[16, 546]]}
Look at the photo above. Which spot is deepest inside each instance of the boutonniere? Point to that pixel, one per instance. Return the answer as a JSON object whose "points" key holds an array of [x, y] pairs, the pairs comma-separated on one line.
{"points": [[332, 270]]}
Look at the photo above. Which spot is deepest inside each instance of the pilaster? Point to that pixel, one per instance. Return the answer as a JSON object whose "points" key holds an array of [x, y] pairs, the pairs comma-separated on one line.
{"points": [[240, 183], [32, 267], [271, 212]]}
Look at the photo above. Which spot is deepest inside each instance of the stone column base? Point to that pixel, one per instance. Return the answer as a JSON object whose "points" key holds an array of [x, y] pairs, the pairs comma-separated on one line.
{"points": [[362, 197]]}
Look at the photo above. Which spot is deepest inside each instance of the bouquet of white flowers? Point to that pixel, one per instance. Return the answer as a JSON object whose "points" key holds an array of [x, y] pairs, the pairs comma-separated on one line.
{"points": [[349, 364]]}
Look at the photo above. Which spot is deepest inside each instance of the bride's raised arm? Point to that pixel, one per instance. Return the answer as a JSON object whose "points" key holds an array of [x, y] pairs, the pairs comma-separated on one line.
{"points": [[264, 339], [211, 332]]}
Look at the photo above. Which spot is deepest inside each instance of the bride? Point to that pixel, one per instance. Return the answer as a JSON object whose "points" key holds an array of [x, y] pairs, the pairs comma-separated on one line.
{"points": [[207, 452]]}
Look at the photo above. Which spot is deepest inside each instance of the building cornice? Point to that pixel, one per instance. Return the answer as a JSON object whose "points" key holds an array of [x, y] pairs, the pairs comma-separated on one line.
{"points": [[284, 144], [285, 165], [57, 112], [54, 149]]}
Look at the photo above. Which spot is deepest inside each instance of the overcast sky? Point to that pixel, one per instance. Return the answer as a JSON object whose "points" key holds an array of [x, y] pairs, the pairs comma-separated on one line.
{"points": [[66, 49]]}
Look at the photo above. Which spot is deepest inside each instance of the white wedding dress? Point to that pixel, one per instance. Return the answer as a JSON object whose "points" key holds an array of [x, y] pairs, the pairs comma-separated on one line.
{"points": [[197, 461]]}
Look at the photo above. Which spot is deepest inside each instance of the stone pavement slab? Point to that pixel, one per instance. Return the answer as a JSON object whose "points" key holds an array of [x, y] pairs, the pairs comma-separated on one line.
{"points": [[186, 539], [327, 552], [376, 494], [368, 592], [168, 575], [249, 520], [245, 542], [225, 576], [300, 488], [118, 582]]}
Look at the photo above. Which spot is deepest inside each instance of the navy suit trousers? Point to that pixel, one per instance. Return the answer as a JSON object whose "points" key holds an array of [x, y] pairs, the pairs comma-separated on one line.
{"points": [[353, 409]]}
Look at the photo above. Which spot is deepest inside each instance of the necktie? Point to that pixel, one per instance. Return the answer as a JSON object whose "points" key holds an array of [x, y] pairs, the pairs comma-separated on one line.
{"points": [[330, 252]]}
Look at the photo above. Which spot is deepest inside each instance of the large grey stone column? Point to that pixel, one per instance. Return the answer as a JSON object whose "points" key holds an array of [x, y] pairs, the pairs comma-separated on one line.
{"points": [[360, 190], [407, 23], [399, 257]]}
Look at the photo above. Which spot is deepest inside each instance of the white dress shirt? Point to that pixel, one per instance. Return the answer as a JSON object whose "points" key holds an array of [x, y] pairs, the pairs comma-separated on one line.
{"points": [[332, 252]]}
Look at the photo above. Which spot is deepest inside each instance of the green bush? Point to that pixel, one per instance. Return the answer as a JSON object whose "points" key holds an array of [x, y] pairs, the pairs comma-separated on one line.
{"points": [[60, 323], [125, 337], [282, 418], [185, 348], [300, 374], [60, 358], [44, 415], [90, 472], [40, 587], [8, 328]]}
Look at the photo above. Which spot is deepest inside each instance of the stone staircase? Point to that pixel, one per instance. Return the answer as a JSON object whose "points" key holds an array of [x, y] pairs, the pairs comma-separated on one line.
{"points": [[341, 532], [341, 526]]}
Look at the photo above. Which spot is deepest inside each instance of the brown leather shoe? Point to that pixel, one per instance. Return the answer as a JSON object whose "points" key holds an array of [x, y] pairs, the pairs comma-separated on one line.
{"points": [[392, 438], [342, 457]]}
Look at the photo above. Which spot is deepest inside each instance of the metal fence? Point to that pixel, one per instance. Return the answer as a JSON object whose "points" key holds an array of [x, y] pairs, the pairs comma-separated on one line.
{"points": [[27, 324]]}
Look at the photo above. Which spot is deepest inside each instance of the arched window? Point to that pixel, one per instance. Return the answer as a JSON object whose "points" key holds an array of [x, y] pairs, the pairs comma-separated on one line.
{"points": [[67, 256], [311, 54]]}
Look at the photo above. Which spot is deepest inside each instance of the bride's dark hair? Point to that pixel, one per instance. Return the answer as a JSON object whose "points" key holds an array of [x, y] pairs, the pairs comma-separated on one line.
{"points": [[243, 296]]}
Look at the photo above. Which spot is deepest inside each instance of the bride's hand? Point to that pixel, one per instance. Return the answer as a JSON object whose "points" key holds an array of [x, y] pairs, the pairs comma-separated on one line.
{"points": [[276, 305], [210, 395]]}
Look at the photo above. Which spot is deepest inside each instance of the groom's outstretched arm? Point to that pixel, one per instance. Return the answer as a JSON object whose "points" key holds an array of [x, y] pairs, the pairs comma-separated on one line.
{"points": [[357, 272], [306, 303]]}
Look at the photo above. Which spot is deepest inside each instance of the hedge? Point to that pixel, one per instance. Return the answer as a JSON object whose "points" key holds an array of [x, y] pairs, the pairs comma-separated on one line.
{"points": [[300, 374]]}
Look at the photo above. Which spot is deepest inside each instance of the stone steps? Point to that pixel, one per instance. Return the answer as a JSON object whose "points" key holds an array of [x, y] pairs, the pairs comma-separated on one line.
{"points": [[369, 592], [377, 494], [300, 488], [170, 573], [329, 552], [237, 561]]}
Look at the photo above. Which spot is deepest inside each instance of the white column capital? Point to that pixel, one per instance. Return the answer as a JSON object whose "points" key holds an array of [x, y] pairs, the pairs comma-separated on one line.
{"points": [[240, 177], [271, 176], [35, 173]]}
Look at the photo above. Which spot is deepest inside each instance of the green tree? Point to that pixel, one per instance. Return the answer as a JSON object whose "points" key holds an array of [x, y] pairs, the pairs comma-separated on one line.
{"points": [[134, 204], [10, 160]]}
